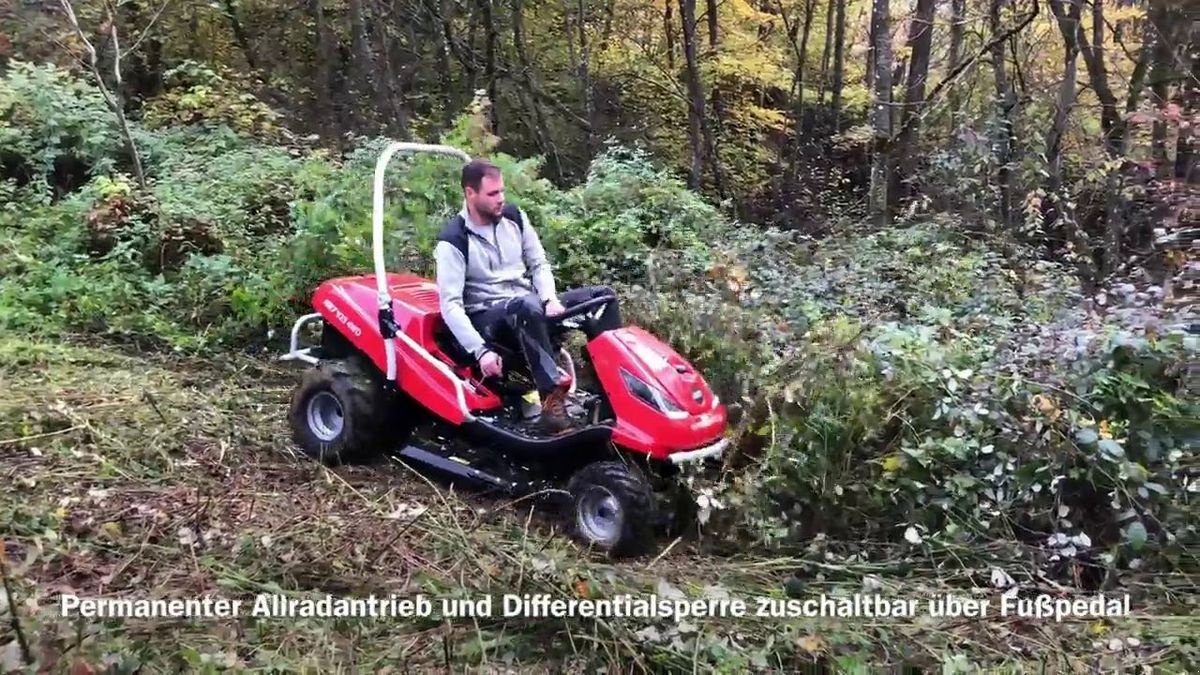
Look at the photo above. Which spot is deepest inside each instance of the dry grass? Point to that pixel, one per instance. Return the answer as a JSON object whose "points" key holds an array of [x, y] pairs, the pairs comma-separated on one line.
{"points": [[149, 476]]}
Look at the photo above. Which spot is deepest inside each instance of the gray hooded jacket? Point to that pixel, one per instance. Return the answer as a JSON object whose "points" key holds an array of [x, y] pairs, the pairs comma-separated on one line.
{"points": [[505, 261]]}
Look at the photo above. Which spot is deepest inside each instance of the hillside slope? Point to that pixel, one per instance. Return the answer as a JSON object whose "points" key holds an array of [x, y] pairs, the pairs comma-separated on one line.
{"points": [[926, 407]]}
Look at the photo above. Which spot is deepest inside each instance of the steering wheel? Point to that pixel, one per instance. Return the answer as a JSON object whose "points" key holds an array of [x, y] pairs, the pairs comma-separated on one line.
{"points": [[583, 308]]}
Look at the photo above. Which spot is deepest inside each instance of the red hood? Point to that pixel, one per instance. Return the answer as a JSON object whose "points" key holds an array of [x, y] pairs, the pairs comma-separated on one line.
{"points": [[668, 369]]}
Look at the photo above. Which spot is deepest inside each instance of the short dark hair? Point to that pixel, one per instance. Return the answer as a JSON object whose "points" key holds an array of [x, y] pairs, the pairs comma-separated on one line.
{"points": [[475, 170]]}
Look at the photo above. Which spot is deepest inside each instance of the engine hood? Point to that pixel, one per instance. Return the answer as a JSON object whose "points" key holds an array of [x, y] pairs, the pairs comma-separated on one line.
{"points": [[666, 369]]}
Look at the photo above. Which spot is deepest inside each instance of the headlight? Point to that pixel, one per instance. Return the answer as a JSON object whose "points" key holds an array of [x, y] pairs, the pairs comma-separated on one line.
{"points": [[653, 397]]}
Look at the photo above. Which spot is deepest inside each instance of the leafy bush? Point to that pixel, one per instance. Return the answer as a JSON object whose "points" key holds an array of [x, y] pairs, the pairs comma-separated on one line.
{"points": [[231, 235], [53, 123], [910, 384], [196, 94]]}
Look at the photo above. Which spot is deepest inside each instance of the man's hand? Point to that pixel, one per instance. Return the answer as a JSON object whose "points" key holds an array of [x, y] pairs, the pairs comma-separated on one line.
{"points": [[554, 308], [490, 364]]}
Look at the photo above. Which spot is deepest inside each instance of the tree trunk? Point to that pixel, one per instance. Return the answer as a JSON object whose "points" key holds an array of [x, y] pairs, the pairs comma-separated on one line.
{"points": [[606, 34], [469, 64], [585, 77], [1062, 108], [687, 15], [1004, 104], [810, 7], [1161, 66], [445, 39], [1061, 215], [323, 87], [839, 64], [1110, 117], [364, 64], [823, 84], [669, 25], [239, 35], [714, 129], [872, 50], [145, 71], [541, 131], [1187, 147], [397, 121], [711, 15], [920, 38], [800, 52], [958, 18], [490, 63], [881, 59], [1115, 135]]}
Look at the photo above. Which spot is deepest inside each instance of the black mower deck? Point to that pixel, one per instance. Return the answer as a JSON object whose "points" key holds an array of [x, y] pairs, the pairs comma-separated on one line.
{"points": [[464, 463]]}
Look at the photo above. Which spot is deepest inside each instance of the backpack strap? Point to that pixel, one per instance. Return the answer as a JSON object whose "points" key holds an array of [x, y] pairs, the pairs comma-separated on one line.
{"points": [[513, 213], [456, 234]]}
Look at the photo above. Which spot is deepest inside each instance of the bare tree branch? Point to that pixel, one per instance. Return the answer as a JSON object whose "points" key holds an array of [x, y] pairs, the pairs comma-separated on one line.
{"points": [[146, 33], [110, 97], [953, 74]]}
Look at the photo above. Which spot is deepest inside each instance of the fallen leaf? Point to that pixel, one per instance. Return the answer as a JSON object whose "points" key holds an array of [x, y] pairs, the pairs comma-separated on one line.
{"points": [[811, 644]]}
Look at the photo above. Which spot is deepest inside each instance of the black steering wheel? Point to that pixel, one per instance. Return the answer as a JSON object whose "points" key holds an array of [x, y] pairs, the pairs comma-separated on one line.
{"points": [[583, 308]]}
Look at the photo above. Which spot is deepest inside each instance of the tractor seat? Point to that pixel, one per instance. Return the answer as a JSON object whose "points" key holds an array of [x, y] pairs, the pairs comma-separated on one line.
{"points": [[450, 346], [504, 385], [501, 344]]}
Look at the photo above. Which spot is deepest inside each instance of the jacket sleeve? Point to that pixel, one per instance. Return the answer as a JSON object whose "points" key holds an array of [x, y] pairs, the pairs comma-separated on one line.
{"points": [[535, 261], [451, 277]]}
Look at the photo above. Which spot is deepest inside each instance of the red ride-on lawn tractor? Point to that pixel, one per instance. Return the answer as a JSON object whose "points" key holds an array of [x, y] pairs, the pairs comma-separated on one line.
{"points": [[387, 365]]}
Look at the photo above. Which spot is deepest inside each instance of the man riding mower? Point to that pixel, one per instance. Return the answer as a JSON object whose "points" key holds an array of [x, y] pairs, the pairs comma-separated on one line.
{"points": [[399, 352]]}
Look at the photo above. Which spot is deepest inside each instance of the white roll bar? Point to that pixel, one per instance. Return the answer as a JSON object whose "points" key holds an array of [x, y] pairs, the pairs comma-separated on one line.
{"points": [[385, 299]]}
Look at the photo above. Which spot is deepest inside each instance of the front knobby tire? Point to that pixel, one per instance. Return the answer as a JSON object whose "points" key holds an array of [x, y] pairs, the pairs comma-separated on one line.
{"points": [[341, 414], [614, 508]]}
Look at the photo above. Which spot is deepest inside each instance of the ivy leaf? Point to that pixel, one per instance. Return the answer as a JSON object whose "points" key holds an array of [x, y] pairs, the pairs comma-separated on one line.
{"points": [[1136, 535], [1086, 436], [1111, 448]]}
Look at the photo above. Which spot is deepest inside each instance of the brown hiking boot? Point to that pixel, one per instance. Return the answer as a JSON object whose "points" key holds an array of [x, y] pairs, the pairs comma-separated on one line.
{"points": [[554, 418]]}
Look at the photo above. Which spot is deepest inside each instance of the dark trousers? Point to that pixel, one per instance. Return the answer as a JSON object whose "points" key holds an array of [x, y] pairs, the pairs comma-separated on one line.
{"points": [[522, 322]]}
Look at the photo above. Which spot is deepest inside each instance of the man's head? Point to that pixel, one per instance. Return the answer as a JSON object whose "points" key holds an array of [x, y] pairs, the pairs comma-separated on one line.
{"points": [[483, 189]]}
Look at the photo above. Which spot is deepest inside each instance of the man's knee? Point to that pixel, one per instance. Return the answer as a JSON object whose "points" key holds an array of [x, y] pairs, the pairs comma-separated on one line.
{"points": [[603, 290]]}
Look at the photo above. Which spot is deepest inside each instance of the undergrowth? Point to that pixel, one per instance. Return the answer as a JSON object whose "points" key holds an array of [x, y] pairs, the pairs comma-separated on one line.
{"points": [[150, 476]]}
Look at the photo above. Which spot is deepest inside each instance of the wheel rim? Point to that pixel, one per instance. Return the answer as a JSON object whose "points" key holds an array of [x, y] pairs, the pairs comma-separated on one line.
{"points": [[325, 416], [600, 515]]}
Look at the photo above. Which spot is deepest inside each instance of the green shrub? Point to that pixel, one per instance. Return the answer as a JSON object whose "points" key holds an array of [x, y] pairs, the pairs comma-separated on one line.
{"points": [[52, 122], [196, 94]]}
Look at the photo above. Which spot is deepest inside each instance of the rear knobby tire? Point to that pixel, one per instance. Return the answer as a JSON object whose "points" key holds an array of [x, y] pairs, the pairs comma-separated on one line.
{"points": [[341, 414], [613, 508]]}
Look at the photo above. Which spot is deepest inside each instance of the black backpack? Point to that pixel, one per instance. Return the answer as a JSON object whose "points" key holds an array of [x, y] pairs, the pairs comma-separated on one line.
{"points": [[456, 233]]}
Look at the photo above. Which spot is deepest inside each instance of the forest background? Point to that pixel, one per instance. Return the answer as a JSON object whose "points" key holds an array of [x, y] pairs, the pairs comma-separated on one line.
{"points": [[938, 254]]}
